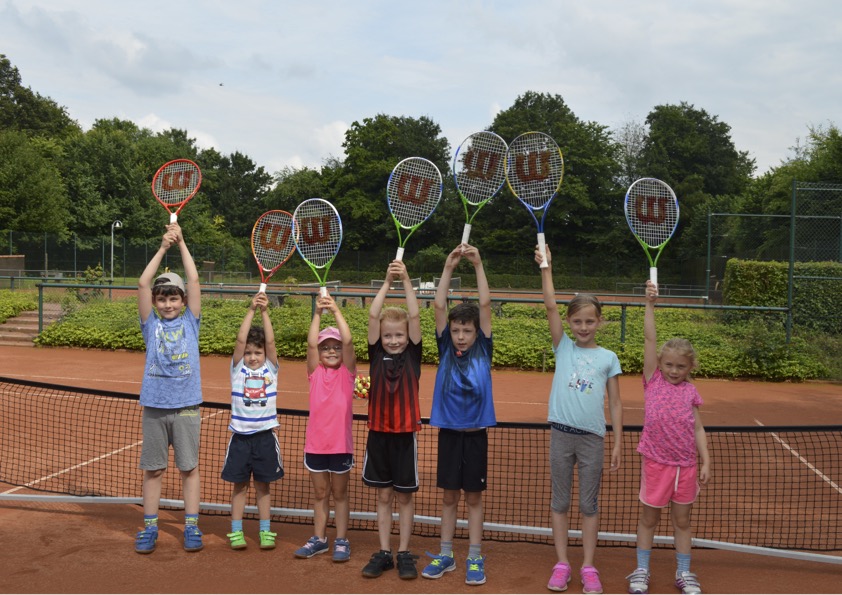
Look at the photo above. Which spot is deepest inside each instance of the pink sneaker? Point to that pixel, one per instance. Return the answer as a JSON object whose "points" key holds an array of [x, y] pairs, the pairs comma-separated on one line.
{"points": [[590, 580], [560, 577]]}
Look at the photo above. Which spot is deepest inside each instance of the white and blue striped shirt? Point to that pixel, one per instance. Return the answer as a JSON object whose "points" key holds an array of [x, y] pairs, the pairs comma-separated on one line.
{"points": [[253, 398]]}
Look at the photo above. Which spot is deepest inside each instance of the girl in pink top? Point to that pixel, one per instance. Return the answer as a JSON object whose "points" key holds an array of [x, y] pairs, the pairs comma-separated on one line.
{"points": [[672, 435], [329, 444]]}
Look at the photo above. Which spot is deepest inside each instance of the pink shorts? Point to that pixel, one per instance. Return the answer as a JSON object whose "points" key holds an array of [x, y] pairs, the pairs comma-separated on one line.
{"points": [[662, 484]]}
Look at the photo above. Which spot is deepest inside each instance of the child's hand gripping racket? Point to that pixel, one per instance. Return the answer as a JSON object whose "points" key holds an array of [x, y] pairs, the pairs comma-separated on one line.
{"points": [[413, 192], [175, 183], [317, 232], [652, 214], [271, 243], [534, 170], [479, 170]]}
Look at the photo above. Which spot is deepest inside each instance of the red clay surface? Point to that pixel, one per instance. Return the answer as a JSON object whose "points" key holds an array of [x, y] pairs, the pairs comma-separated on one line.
{"points": [[88, 548]]}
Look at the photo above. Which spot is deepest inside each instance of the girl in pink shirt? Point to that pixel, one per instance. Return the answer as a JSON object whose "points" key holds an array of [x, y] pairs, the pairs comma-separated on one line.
{"points": [[672, 435], [329, 443]]}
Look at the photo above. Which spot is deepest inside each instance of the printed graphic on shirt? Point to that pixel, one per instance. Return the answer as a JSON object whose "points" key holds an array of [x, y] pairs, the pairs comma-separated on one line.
{"points": [[581, 378], [254, 390], [171, 345]]}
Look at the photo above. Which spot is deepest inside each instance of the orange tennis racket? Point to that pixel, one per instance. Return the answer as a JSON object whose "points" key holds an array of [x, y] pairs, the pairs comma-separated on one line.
{"points": [[175, 183]]}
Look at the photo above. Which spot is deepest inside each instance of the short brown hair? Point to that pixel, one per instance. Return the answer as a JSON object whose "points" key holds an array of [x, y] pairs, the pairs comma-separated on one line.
{"points": [[583, 300]]}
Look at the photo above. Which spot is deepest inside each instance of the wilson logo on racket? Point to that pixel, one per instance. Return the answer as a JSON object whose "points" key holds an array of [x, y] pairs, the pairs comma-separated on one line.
{"points": [[651, 209], [177, 180], [533, 167], [315, 230], [481, 165], [415, 189], [275, 237]]}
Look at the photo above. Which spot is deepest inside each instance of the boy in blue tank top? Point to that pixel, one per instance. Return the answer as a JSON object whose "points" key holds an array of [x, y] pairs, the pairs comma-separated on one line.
{"points": [[462, 409]]}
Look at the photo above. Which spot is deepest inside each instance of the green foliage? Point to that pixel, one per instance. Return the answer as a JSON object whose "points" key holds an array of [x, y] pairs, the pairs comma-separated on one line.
{"points": [[13, 303], [751, 349]]}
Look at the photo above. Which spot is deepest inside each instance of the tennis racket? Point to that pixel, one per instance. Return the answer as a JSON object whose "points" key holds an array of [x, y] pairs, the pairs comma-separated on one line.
{"points": [[413, 192], [534, 170], [652, 214], [271, 243], [175, 183], [317, 232], [479, 170]]}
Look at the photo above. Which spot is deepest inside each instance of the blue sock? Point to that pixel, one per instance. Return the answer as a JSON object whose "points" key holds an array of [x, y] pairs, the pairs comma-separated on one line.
{"points": [[236, 525], [643, 557], [683, 561], [150, 521], [446, 548], [265, 524], [191, 519]]}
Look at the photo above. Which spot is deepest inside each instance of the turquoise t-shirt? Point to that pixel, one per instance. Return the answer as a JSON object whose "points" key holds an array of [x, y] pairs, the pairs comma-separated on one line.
{"points": [[577, 397]]}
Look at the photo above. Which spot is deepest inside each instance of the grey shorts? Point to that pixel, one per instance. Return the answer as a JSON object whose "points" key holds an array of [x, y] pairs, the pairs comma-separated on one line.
{"points": [[164, 427], [587, 452]]}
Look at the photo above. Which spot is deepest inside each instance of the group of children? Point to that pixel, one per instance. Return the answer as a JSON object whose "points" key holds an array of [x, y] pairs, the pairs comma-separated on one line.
{"points": [[462, 409]]}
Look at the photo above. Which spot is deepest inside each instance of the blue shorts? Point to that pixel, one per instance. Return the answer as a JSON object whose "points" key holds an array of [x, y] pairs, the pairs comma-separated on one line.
{"points": [[256, 454]]}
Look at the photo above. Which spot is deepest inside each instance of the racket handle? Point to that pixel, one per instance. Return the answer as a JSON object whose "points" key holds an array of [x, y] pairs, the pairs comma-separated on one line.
{"points": [[466, 233], [323, 293], [399, 255], [653, 276], [542, 248], [262, 288], [173, 217]]}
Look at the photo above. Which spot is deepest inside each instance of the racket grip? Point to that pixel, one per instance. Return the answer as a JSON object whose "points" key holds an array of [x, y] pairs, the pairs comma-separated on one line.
{"points": [[262, 288], [323, 293], [653, 276], [466, 233], [173, 217], [399, 255], [542, 247]]}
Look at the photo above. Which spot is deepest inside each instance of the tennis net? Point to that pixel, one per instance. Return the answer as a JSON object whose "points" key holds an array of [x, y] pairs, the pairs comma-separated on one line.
{"points": [[773, 487]]}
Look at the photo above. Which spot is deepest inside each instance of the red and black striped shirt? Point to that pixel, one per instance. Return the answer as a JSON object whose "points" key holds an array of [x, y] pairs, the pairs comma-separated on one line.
{"points": [[393, 396]]}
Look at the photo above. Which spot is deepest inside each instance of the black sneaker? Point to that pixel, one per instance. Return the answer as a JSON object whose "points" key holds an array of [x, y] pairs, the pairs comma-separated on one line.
{"points": [[379, 562], [406, 565]]}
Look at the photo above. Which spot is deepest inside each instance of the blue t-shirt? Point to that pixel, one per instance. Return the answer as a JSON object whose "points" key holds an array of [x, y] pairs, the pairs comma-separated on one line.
{"points": [[577, 397], [462, 397], [171, 379]]}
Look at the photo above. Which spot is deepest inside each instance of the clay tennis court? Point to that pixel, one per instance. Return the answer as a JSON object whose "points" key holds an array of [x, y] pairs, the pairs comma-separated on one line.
{"points": [[89, 548]]}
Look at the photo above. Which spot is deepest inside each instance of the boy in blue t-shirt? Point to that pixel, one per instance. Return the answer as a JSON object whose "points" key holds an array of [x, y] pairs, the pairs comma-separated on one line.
{"points": [[171, 391], [463, 409]]}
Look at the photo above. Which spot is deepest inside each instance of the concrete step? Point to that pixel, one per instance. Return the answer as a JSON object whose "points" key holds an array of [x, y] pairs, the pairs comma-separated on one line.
{"points": [[23, 328]]}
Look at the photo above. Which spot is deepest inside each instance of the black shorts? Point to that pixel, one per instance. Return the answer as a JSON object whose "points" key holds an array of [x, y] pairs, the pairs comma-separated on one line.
{"points": [[333, 463], [462, 460], [391, 461], [253, 454]]}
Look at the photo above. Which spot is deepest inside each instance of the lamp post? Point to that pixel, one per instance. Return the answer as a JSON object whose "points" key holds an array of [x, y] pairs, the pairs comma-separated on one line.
{"points": [[116, 225]]}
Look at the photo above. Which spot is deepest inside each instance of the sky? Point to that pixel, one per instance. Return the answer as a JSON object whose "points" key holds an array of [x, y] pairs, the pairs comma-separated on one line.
{"points": [[282, 81]]}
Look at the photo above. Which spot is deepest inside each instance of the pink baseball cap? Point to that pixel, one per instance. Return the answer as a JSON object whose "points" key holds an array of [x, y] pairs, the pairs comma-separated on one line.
{"points": [[330, 332]]}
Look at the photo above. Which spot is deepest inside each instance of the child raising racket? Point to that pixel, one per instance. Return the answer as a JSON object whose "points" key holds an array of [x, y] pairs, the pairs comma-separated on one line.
{"points": [[672, 435]]}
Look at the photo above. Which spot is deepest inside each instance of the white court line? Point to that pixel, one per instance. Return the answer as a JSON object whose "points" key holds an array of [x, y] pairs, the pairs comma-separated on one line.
{"points": [[807, 463], [88, 462]]}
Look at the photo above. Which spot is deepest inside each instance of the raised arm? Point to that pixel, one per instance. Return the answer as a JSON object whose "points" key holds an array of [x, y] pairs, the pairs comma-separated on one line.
{"points": [[553, 317], [268, 330], [191, 274], [349, 356], [243, 332], [144, 283], [471, 254], [313, 336], [411, 300], [650, 336], [377, 307], [442, 291]]}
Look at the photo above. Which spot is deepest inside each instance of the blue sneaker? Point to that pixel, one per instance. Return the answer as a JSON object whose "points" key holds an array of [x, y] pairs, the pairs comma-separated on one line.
{"points": [[192, 539], [341, 550], [438, 566], [476, 571], [144, 542], [313, 546]]}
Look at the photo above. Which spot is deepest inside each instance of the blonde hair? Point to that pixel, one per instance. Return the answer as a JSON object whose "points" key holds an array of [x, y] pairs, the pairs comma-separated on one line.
{"points": [[582, 301], [683, 348], [394, 314]]}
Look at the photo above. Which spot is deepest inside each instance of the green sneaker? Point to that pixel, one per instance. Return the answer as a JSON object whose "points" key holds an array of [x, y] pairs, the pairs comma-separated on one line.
{"points": [[238, 540], [267, 540]]}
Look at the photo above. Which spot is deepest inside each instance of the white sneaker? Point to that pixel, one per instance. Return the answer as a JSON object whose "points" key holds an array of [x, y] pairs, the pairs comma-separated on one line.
{"points": [[688, 582], [638, 581]]}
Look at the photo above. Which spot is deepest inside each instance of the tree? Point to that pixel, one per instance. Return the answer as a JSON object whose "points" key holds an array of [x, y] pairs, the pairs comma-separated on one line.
{"points": [[26, 111], [630, 137]]}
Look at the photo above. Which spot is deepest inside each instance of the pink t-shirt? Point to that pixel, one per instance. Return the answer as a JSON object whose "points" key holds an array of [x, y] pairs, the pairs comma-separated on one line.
{"points": [[329, 429], [669, 425]]}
